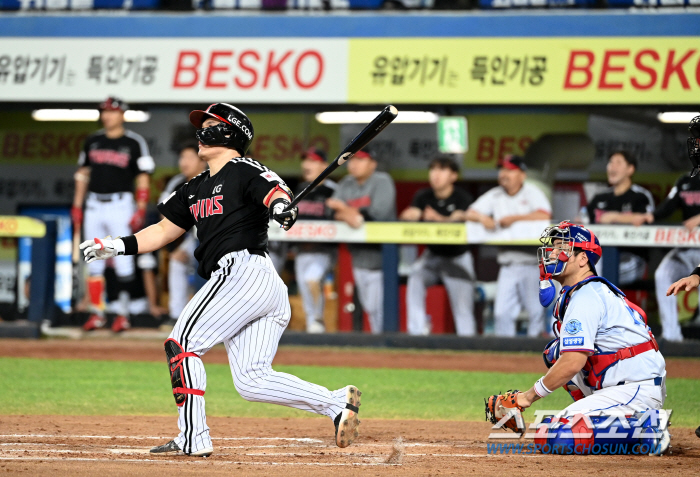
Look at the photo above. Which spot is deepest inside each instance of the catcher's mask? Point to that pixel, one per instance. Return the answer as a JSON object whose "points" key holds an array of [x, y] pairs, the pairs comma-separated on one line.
{"points": [[558, 244], [694, 145], [235, 131]]}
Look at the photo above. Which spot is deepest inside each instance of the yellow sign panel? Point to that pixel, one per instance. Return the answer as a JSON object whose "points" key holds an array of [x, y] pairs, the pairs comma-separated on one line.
{"points": [[20, 226], [415, 232], [615, 70]]}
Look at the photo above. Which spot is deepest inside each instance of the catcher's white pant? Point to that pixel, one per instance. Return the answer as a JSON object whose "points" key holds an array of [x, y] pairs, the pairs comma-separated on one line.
{"points": [[178, 277], [457, 274], [310, 268], [627, 398], [244, 305], [109, 216], [370, 288], [677, 263], [518, 286]]}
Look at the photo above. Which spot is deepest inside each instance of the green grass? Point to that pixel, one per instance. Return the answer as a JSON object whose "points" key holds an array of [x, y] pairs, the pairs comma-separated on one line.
{"points": [[80, 387]]}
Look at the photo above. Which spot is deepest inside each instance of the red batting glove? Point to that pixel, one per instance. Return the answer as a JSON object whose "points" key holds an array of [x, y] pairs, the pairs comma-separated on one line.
{"points": [[137, 220], [76, 215]]}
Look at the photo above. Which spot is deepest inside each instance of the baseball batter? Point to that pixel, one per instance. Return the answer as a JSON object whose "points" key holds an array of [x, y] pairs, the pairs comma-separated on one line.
{"points": [[513, 200], [453, 265], [313, 260], [685, 195], [111, 160], [605, 355], [244, 303]]}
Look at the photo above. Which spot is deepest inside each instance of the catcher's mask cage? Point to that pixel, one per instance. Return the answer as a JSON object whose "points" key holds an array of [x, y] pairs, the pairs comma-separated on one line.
{"points": [[235, 131], [558, 244], [694, 145]]}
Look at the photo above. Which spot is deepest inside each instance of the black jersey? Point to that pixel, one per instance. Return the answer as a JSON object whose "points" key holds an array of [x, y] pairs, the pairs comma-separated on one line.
{"points": [[227, 209], [313, 207], [459, 200], [685, 195], [115, 163], [636, 199]]}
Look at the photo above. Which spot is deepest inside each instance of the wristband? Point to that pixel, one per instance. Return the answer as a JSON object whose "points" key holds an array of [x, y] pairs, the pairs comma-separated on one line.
{"points": [[696, 271], [142, 195], [540, 389], [131, 245]]}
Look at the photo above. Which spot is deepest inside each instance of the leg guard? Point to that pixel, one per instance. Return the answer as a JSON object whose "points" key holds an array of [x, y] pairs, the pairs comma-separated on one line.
{"points": [[643, 433], [175, 354]]}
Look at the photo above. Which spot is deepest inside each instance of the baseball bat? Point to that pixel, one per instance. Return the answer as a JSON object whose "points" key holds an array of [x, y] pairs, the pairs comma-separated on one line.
{"points": [[370, 131]]}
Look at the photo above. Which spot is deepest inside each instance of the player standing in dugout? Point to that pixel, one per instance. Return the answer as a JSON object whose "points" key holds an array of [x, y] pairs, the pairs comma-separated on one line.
{"points": [[111, 160], [244, 303]]}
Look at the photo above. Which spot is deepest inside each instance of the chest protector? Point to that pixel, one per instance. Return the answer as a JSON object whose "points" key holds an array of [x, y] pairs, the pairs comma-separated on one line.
{"points": [[597, 364]]}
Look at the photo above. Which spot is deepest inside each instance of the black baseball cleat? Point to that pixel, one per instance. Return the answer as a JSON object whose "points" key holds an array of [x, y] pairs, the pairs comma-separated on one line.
{"points": [[347, 422], [697, 431], [172, 448]]}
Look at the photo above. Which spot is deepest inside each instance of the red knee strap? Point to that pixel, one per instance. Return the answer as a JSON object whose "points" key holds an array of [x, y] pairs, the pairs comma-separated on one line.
{"points": [[196, 392], [181, 356]]}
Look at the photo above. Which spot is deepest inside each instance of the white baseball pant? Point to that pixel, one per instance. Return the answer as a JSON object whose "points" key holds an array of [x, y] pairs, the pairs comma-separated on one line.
{"points": [[457, 274], [310, 268], [109, 217], [370, 288], [244, 305], [518, 287], [628, 398], [677, 263]]}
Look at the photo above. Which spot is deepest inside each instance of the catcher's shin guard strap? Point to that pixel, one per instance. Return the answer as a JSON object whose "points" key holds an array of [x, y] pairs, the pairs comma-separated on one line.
{"points": [[175, 355]]}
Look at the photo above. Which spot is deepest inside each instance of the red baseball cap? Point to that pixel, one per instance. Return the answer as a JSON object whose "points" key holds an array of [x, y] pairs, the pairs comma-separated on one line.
{"points": [[113, 104], [315, 154], [363, 154], [512, 162]]}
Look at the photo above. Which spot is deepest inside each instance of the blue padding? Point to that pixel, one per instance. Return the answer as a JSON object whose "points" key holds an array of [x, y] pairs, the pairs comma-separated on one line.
{"points": [[9, 5], [366, 4], [119, 4], [567, 23]]}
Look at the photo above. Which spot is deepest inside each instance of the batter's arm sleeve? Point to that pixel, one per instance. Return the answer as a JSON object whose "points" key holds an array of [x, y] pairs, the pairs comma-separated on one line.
{"points": [[144, 161], [383, 206], [176, 209]]}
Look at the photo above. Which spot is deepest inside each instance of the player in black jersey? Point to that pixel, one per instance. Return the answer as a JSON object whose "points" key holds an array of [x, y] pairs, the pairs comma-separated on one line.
{"points": [[453, 265], [684, 195], [313, 260], [244, 304], [623, 203], [112, 160]]}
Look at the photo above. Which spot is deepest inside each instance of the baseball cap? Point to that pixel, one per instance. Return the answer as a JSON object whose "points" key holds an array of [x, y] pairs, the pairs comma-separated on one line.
{"points": [[315, 154], [113, 104], [363, 154], [512, 162]]}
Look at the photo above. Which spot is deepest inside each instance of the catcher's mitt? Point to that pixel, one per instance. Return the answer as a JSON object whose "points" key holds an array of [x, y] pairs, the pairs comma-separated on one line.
{"points": [[498, 405]]}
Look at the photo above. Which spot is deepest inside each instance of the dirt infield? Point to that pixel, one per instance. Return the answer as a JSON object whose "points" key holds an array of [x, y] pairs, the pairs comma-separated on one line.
{"points": [[118, 445], [119, 349], [77, 446]]}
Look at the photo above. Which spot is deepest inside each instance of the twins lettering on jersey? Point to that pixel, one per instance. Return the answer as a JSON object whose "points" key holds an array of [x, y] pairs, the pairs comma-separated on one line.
{"points": [[110, 157], [206, 207]]}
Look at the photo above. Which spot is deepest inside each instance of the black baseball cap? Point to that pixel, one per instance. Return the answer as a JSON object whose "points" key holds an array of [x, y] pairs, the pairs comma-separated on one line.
{"points": [[512, 162], [315, 154]]}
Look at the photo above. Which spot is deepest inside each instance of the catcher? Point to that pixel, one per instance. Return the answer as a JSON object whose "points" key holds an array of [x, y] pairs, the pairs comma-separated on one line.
{"points": [[604, 355]]}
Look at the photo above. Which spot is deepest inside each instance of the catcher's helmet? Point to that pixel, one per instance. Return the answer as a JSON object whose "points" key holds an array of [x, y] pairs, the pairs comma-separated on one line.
{"points": [[235, 130], [694, 145], [571, 236], [113, 104]]}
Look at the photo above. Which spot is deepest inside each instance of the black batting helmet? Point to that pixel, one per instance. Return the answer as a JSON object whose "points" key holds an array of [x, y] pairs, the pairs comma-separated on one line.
{"points": [[694, 145], [235, 130]]}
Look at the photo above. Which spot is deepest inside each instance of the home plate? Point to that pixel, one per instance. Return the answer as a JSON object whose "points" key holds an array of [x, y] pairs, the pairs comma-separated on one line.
{"points": [[130, 451]]}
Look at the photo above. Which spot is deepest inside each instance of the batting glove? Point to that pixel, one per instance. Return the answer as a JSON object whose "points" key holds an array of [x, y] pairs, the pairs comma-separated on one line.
{"points": [[101, 249], [285, 218]]}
